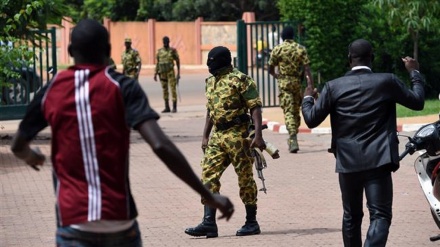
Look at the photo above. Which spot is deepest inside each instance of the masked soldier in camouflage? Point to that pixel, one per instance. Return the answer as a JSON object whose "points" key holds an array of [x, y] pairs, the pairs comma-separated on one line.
{"points": [[165, 69], [231, 96], [292, 62], [131, 61]]}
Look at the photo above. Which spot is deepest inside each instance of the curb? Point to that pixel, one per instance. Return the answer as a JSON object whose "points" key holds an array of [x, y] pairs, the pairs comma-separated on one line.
{"points": [[281, 128]]}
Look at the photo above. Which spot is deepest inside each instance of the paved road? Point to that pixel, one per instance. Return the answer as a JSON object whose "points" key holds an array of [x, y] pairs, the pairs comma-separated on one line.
{"points": [[302, 206], [191, 88]]}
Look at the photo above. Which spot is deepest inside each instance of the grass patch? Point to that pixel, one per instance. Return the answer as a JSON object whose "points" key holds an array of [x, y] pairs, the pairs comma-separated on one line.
{"points": [[432, 106], [63, 66]]}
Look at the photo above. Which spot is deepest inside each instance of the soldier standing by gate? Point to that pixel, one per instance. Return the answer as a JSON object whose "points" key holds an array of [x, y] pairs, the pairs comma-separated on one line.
{"points": [[131, 61], [292, 61], [165, 69]]}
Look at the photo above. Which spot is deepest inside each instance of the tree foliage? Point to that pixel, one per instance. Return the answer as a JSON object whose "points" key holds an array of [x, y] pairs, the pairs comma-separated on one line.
{"points": [[18, 17], [390, 25], [413, 15], [97, 10], [330, 26], [17, 20], [171, 10], [211, 10]]}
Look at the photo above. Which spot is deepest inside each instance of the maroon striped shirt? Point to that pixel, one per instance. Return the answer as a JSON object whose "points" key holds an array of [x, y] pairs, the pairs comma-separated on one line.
{"points": [[90, 110]]}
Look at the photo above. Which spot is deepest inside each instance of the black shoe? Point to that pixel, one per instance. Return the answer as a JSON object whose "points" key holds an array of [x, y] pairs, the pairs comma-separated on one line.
{"points": [[167, 106], [208, 227], [174, 106], [203, 229], [249, 228]]}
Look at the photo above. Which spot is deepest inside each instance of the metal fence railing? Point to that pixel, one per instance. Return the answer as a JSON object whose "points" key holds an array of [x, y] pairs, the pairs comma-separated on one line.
{"points": [[16, 94], [255, 42]]}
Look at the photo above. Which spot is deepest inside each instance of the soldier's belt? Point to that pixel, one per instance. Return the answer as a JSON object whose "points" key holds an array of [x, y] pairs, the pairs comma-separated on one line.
{"points": [[244, 118]]}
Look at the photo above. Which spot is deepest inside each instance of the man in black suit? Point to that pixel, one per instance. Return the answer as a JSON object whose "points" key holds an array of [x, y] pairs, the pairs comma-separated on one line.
{"points": [[362, 108]]}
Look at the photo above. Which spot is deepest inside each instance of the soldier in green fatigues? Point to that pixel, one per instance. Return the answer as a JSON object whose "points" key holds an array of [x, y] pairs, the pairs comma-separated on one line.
{"points": [[131, 61], [292, 62], [165, 69], [231, 96]]}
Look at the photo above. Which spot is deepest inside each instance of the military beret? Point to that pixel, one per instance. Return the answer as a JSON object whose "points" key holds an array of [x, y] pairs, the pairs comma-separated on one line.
{"points": [[127, 40]]}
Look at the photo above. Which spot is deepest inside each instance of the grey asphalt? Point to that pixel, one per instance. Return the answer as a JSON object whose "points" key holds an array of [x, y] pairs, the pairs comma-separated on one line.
{"points": [[302, 206]]}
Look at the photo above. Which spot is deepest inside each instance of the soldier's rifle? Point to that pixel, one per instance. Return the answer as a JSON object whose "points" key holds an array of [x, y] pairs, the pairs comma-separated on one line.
{"points": [[260, 162], [178, 90]]}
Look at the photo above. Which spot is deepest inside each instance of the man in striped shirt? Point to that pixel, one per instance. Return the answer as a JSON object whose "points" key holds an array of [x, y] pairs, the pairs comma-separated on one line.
{"points": [[90, 109]]}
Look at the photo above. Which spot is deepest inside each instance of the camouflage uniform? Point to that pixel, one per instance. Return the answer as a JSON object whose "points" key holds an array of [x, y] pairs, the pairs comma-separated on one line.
{"points": [[230, 94], [130, 62], [165, 69], [290, 57]]}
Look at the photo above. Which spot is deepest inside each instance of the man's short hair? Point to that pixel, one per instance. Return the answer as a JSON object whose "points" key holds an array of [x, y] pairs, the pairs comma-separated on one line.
{"points": [[287, 33], [360, 48], [90, 39]]}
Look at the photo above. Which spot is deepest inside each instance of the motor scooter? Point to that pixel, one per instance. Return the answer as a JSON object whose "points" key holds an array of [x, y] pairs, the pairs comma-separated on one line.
{"points": [[426, 141]]}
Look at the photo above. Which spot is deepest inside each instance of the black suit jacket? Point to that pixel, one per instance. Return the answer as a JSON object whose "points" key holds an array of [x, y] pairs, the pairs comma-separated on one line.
{"points": [[362, 108]]}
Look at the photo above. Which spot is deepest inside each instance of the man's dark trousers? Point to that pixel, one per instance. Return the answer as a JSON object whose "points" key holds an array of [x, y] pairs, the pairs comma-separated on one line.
{"points": [[378, 187]]}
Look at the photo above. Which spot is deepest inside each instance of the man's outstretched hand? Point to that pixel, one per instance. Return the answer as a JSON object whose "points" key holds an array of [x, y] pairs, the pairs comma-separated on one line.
{"points": [[410, 63], [310, 91], [223, 204]]}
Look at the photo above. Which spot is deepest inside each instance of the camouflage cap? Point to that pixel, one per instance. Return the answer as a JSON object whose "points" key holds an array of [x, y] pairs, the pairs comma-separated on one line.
{"points": [[127, 40]]}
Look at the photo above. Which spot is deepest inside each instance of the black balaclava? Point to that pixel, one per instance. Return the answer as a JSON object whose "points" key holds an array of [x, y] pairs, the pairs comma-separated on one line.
{"points": [[218, 58], [166, 42]]}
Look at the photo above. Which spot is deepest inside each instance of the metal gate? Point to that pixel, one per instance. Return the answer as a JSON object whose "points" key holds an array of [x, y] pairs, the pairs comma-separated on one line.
{"points": [[255, 41], [15, 97]]}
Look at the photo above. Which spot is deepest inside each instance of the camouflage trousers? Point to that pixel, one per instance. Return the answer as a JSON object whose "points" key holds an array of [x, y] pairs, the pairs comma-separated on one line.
{"points": [[168, 81], [290, 101], [230, 147]]}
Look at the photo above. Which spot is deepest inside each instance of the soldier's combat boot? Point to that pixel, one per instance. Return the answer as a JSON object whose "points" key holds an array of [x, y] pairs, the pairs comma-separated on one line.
{"points": [[167, 107], [174, 106], [207, 228], [251, 226], [292, 142]]}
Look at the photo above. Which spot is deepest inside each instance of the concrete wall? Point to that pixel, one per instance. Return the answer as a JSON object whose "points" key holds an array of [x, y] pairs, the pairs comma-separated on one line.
{"points": [[193, 40]]}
